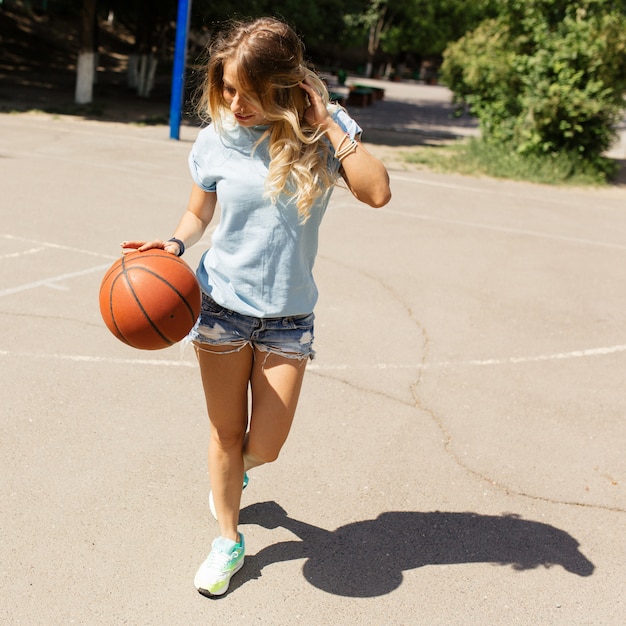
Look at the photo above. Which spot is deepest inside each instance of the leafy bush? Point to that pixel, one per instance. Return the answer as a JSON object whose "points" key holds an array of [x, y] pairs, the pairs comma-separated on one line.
{"points": [[546, 77]]}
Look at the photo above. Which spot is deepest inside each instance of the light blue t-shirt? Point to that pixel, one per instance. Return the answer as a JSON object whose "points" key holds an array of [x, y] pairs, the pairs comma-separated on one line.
{"points": [[261, 259]]}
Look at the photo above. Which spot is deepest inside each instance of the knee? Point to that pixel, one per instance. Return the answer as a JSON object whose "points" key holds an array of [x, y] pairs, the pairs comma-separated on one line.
{"points": [[227, 439]]}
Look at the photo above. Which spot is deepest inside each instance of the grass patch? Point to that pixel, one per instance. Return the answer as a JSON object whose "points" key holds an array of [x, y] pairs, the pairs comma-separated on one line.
{"points": [[474, 157], [153, 120]]}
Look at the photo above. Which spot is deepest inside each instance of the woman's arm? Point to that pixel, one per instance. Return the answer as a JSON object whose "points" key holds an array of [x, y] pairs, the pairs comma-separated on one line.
{"points": [[364, 174], [191, 227]]}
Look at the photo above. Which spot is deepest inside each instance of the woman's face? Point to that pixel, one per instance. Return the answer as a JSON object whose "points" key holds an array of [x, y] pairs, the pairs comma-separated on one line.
{"points": [[245, 111]]}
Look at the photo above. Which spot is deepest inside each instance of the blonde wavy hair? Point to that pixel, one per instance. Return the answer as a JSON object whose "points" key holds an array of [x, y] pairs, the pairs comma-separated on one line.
{"points": [[269, 58]]}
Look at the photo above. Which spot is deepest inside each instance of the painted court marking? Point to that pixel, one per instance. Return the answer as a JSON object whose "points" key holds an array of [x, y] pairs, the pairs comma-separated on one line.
{"points": [[15, 255], [57, 246], [51, 281], [506, 229], [559, 356]]}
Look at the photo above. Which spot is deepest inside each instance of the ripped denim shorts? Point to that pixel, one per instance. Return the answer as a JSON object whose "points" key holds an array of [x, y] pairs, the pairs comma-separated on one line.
{"points": [[290, 337]]}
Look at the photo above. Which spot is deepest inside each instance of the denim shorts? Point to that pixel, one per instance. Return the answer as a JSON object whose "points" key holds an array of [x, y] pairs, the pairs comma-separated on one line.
{"points": [[290, 337]]}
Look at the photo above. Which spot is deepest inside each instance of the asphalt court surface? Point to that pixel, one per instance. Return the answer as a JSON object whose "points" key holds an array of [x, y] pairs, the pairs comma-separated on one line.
{"points": [[458, 452]]}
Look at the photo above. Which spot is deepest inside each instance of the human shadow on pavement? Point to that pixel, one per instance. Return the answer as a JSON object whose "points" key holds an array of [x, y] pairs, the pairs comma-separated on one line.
{"points": [[368, 558]]}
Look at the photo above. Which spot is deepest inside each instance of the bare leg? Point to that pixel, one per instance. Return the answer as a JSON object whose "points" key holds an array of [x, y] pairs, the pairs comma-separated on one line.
{"points": [[276, 382], [225, 379]]}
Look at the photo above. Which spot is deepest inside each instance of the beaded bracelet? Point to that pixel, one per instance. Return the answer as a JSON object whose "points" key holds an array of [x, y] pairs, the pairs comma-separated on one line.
{"points": [[181, 246]]}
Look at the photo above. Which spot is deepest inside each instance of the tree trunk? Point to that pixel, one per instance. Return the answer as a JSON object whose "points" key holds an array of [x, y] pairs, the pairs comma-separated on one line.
{"points": [[85, 72], [133, 70], [145, 76], [373, 42], [86, 65], [142, 62]]}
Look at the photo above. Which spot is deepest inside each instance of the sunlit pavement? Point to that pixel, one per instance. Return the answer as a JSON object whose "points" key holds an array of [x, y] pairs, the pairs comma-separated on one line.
{"points": [[457, 457]]}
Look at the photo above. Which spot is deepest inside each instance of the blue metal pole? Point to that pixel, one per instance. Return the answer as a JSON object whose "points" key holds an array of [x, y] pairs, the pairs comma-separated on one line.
{"points": [[178, 71]]}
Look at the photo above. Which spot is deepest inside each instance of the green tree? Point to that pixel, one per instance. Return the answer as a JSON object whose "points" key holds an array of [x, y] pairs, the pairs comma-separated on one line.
{"points": [[419, 27], [316, 22], [426, 27], [546, 77]]}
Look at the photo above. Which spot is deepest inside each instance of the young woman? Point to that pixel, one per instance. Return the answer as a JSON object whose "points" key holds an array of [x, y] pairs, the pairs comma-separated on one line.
{"points": [[271, 155]]}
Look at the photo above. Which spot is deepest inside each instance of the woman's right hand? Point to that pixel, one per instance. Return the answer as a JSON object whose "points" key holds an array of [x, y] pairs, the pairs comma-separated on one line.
{"points": [[142, 246]]}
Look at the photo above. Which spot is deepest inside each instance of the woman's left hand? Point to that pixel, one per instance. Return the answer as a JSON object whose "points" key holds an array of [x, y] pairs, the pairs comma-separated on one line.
{"points": [[317, 114], [364, 174]]}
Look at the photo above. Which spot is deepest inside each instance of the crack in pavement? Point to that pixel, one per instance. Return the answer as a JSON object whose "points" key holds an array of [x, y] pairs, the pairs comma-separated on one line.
{"points": [[437, 419]]}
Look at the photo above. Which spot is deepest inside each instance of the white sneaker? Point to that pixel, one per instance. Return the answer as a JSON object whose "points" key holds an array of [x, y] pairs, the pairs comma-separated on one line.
{"points": [[225, 559]]}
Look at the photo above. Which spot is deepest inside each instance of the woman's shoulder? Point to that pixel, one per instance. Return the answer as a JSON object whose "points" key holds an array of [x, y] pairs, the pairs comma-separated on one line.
{"points": [[215, 136]]}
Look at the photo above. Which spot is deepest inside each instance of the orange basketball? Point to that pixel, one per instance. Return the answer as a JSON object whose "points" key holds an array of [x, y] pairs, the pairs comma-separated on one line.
{"points": [[150, 300]]}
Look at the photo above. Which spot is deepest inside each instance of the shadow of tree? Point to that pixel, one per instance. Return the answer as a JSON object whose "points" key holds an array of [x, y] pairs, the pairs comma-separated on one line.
{"points": [[620, 173], [367, 558], [413, 121]]}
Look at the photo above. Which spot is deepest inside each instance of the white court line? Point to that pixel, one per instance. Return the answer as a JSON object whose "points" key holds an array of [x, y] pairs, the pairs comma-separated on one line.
{"points": [[104, 166], [52, 280], [184, 144], [575, 354], [123, 137], [58, 246], [456, 186], [49, 282], [14, 255], [505, 229], [78, 358], [484, 190]]}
